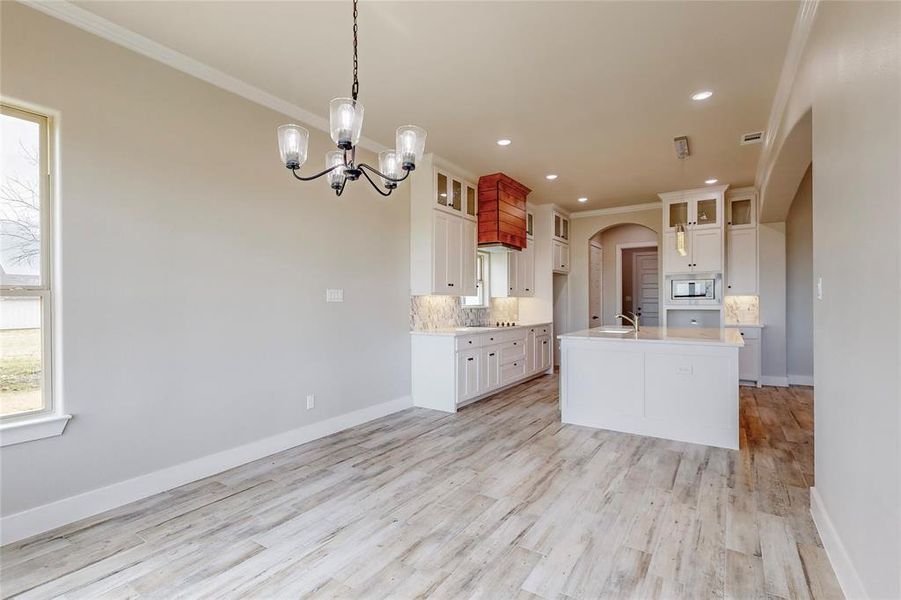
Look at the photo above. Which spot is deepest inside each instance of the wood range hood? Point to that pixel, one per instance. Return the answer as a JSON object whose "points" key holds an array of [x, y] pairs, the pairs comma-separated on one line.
{"points": [[502, 212]]}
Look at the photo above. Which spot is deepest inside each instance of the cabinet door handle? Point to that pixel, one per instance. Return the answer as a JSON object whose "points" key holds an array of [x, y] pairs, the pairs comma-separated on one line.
{"points": [[492, 354], [450, 285], [514, 343], [469, 359]]}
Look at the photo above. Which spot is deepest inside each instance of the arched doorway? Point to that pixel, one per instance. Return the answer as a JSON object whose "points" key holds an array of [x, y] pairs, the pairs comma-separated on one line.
{"points": [[623, 274]]}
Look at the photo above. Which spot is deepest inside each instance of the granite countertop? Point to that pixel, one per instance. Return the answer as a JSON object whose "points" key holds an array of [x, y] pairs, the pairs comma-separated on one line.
{"points": [[456, 331], [663, 335]]}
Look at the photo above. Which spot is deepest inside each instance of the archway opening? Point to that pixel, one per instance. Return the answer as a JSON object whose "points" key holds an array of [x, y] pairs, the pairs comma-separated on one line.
{"points": [[623, 275]]}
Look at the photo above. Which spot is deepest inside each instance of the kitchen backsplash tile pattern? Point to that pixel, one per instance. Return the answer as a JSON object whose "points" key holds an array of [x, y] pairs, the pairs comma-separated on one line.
{"points": [[742, 309], [435, 312]]}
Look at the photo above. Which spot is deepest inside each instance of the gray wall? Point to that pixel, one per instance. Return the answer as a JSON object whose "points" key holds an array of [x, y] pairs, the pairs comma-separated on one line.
{"points": [[176, 215], [799, 283], [850, 78], [771, 254]]}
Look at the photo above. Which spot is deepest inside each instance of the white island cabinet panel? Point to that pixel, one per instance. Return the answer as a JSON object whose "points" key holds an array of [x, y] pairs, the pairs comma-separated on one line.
{"points": [[611, 385], [675, 384]]}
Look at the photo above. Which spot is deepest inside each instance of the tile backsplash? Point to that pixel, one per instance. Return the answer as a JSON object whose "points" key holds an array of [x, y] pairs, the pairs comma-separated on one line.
{"points": [[435, 312], [742, 309]]}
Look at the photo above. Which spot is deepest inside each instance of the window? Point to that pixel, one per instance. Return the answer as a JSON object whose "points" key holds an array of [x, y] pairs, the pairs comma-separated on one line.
{"points": [[482, 299], [25, 265]]}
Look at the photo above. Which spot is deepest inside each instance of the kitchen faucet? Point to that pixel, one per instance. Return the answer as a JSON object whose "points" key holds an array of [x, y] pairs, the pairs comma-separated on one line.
{"points": [[633, 320]]}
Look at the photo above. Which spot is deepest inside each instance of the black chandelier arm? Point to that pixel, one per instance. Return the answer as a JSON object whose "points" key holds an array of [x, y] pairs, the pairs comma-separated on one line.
{"points": [[380, 174], [316, 176], [374, 185]]}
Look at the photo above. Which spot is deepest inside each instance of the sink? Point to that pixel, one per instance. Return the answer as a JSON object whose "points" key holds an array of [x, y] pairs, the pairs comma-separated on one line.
{"points": [[614, 329]]}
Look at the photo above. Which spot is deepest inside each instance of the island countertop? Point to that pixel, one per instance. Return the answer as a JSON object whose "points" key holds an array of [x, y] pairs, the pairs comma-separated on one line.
{"points": [[705, 336]]}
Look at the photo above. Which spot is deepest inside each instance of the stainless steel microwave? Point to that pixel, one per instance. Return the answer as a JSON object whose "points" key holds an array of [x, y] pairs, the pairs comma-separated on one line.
{"points": [[700, 290]]}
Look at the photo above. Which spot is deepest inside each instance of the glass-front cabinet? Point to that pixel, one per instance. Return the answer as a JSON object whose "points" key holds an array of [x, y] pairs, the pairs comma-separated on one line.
{"points": [[741, 210], [561, 227], [455, 195], [693, 210]]}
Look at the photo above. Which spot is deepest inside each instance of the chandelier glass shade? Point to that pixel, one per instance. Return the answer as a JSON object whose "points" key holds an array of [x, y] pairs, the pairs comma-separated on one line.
{"points": [[345, 128]]}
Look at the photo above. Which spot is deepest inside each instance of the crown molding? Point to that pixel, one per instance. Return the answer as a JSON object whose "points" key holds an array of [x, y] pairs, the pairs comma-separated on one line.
{"points": [[796, 45], [106, 29], [615, 210]]}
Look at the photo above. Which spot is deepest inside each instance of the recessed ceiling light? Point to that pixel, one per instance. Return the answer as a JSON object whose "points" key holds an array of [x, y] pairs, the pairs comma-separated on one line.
{"points": [[503, 142], [550, 177], [710, 181], [583, 200], [702, 95]]}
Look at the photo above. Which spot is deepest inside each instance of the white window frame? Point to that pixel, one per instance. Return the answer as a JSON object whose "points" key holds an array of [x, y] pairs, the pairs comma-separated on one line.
{"points": [[482, 299], [50, 420]]}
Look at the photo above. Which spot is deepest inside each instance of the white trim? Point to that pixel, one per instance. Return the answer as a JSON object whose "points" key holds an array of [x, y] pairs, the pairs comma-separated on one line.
{"points": [[27, 430], [43, 518], [615, 210], [796, 45], [619, 269], [88, 21], [800, 380], [680, 194], [774, 380], [841, 563]]}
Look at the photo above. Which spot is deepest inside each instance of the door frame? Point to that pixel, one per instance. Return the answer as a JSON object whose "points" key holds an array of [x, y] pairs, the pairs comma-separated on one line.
{"points": [[619, 267], [593, 244]]}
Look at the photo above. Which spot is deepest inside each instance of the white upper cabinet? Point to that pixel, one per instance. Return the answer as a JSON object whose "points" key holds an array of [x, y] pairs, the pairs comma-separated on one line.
{"points": [[443, 231], [700, 213], [741, 262], [513, 273], [694, 209], [741, 242], [741, 209], [561, 227], [455, 195], [707, 251], [560, 256]]}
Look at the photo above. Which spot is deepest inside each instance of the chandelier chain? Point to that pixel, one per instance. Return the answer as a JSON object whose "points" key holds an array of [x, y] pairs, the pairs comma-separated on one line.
{"points": [[355, 89]]}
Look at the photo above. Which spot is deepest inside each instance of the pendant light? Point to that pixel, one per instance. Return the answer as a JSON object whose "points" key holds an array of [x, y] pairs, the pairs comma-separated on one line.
{"points": [[345, 128]]}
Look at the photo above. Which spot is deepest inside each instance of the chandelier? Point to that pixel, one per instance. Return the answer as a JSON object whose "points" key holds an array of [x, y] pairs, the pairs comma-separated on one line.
{"points": [[345, 126]]}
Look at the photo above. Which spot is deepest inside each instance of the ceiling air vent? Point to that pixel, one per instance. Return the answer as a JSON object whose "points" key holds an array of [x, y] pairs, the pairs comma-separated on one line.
{"points": [[755, 137]]}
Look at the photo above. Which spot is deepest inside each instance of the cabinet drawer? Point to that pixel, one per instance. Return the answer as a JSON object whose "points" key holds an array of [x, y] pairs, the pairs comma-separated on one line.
{"points": [[468, 341], [514, 351], [513, 372]]}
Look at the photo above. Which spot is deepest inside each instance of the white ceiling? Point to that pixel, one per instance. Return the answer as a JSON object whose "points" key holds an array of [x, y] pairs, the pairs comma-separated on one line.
{"points": [[592, 91]]}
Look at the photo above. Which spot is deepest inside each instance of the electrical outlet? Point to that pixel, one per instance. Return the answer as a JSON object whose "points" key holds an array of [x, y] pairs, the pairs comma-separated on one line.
{"points": [[819, 288], [334, 295], [311, 401]]}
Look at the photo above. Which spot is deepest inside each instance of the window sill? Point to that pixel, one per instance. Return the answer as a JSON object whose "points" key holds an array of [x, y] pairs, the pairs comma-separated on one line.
{"points": [[33, 429]]}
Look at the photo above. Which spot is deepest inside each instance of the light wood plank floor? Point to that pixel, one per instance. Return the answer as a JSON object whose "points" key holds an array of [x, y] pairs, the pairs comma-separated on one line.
{"points": [[498, 501]]}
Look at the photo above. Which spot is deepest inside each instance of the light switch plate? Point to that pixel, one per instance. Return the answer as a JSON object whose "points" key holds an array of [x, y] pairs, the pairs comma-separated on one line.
{"points": [[334, 295], [819, 288]]}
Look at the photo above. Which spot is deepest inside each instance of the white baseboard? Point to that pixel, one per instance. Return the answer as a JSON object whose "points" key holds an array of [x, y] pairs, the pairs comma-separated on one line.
{"points": [[43, 518], [800, 380], [773, 380], [835, 550]]}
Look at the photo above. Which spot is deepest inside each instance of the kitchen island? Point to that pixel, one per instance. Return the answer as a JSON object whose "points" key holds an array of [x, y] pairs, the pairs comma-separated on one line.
{"points": [[677, 384]]}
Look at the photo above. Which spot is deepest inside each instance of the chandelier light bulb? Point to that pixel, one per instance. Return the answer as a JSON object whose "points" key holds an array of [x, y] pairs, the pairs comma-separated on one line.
{"points": [[293, 141], [345, 122], [389, 165], [410, 141], [336, 177]]}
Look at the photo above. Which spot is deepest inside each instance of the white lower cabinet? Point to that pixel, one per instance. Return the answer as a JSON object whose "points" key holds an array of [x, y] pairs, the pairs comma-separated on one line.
{"points": [[468, 379], [749, 356], [450, 370]]}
